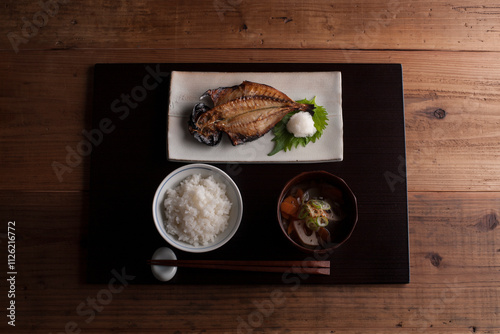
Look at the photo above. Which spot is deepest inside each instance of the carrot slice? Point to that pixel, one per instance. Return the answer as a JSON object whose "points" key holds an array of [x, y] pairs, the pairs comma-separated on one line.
{"points": [[289, 206], [292, 200]]}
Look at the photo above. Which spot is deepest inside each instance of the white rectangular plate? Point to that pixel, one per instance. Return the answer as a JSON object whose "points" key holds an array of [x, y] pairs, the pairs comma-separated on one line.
{"points": [[187, 87]]}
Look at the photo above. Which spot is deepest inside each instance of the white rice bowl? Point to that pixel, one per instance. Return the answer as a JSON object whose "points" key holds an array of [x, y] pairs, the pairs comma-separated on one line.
{"points": [[197, 210], [202, 213]]}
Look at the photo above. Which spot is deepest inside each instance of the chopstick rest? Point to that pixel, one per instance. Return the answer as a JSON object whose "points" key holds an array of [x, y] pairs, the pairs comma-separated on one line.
{"points": [[163, 273]]}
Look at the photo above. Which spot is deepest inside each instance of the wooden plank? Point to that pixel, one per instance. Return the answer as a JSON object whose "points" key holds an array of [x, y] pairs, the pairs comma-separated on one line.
{"points": [[454, 263], [46, 103], [391, 25], [453, 145]]}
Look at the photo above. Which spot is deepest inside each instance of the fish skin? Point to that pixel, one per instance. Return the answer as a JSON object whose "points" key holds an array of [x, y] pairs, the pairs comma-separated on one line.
{"points": [[245, 112], [223, 95]]}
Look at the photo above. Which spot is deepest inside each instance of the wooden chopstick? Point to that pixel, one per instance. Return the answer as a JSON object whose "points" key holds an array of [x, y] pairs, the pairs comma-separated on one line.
{"points": [[307, 267]]}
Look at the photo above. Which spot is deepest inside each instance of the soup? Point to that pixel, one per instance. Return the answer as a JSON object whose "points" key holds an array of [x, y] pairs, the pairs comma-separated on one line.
{"points": [[312, 213]]}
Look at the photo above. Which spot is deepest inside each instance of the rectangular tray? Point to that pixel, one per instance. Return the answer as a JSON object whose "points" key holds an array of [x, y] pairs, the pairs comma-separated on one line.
{"points": [[130, 111]]}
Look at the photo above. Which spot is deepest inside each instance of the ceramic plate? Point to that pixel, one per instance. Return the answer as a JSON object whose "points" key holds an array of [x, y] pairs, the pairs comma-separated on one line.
{"points": [[187, 87]]}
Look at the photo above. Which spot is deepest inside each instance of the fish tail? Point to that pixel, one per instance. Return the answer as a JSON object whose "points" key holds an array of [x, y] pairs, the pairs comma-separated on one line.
{"points": [[307, 108]]}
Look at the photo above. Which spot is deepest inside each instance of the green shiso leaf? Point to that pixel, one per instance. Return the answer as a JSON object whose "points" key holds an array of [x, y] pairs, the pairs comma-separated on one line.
{"points": [[285, 141]]}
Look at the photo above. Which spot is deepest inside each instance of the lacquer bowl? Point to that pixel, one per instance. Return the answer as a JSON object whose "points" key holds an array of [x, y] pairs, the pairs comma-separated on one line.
{"points": [[342, 230]]}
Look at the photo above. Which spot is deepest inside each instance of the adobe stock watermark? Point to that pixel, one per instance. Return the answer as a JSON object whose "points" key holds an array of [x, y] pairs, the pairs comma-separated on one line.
{"points": [[120, 109], [249, 153], [393, 178], [11, 272], [277, 298], [95, 304], [366, 32], [224, 6], [424, 317], [40, 19]]}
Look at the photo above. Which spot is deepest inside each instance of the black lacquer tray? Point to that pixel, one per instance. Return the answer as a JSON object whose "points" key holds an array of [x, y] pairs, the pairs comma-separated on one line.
{"points": [[129, 160]]}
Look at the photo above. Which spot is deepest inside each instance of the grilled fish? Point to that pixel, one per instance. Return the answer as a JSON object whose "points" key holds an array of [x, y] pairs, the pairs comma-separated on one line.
{"points": [[244, 112], [246, 88]]}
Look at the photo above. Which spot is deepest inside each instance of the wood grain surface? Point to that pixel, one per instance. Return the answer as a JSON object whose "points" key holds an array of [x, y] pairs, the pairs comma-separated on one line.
{"points": [[450, 55]]}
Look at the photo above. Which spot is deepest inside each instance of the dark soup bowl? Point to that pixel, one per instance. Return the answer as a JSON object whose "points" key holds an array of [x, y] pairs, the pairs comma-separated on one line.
{"points": [[317, 212]]}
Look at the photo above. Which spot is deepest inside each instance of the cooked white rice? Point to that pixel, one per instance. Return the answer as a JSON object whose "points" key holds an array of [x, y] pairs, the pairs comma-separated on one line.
{"points": [[197, 210]]}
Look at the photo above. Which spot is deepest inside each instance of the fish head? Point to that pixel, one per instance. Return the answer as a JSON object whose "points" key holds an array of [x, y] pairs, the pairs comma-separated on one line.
{"points": [[204, 134]]}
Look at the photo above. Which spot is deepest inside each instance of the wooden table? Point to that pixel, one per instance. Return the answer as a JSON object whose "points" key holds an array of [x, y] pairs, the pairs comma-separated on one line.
{"points": [[451, 67]]}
